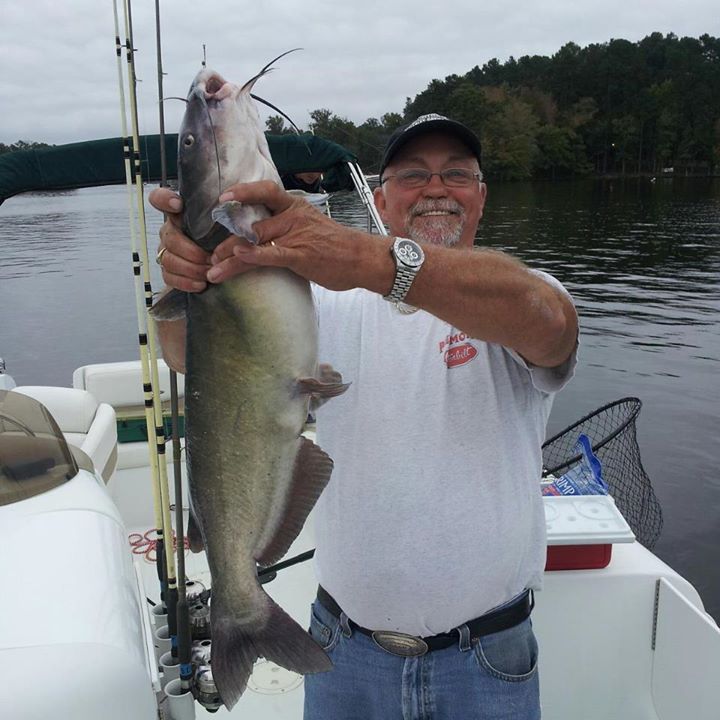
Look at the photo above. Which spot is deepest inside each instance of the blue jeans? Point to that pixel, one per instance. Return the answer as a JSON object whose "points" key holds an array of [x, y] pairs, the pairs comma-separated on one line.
{"points": [[492, 678]]}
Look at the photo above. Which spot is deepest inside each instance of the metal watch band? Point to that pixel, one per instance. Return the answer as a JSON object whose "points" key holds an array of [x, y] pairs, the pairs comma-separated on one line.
{"points": [[404, 273], [403, 280]]}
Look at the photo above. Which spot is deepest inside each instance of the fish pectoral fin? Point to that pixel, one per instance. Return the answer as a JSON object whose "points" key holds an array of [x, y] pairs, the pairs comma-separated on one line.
{"points": [[171, 306], [328, 385], [238, 218], [316, 199], [311, 474]]}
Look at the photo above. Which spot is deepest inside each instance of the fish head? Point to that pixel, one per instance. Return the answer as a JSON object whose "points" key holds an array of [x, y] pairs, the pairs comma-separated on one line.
{"points": [[220, 143]]}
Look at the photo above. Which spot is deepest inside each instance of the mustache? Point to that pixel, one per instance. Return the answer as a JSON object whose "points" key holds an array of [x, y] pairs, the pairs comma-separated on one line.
{"points": [[427, 205]]}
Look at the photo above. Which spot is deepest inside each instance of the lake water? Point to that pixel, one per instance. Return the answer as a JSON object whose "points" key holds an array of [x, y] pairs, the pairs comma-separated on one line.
{"points": [[641, 259]]}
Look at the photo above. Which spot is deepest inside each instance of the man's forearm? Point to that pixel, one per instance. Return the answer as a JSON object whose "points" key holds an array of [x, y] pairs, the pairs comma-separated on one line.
{"points": [[492, 296]]}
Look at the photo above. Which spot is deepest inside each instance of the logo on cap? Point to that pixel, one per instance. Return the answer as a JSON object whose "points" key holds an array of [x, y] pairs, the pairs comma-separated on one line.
{"points": [[424, 119]]}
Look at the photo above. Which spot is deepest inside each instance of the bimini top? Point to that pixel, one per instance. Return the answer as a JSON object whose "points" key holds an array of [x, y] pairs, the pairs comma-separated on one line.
{"points": [[34, 456], [101, 162]]}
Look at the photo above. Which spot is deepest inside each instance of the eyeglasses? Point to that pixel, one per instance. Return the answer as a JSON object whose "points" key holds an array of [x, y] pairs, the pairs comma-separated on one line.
{"points": [[417, 178]]}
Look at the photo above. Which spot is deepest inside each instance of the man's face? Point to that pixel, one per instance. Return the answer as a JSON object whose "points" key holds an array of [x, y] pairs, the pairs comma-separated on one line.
{"points": [[434, 214]]}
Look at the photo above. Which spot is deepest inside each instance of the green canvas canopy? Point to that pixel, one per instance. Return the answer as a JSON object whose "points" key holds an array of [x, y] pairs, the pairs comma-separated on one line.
{"points": [[101, 162]]}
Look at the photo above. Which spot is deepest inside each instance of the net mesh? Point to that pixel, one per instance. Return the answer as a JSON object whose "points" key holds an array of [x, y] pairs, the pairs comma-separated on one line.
{"points": [[611, 430]]}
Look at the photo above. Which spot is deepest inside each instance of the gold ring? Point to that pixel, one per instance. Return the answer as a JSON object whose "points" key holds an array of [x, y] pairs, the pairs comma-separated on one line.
{"points": [[158, 257]]}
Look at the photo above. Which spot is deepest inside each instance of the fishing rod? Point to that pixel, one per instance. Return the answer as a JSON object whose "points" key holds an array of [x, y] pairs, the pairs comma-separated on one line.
{"points": [[367, 198], [170, 575], [142, 321], [151, 380], [182, 611]]}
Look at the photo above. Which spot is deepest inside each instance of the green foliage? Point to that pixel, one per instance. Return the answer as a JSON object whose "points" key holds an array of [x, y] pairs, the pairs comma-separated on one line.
{"points": [[508, 134], [21, 145], [614, 107], [275, 125]]}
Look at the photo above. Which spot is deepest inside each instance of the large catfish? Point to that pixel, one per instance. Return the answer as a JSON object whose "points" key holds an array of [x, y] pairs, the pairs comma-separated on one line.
{"points": [[251, 370]]}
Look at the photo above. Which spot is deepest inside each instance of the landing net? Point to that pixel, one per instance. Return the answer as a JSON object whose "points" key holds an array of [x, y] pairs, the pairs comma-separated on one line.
{"points": [[611, 430]]}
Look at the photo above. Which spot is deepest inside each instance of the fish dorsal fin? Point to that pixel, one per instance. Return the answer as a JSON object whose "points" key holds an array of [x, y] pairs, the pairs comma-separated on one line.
{"points": [[311, 474]]}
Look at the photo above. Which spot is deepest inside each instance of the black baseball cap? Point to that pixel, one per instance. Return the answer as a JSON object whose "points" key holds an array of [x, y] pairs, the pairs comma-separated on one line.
{"points": [[425, 124]]}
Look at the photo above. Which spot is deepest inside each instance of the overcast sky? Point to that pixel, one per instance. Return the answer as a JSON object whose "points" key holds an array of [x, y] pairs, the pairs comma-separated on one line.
{"points": [[58, 73]]}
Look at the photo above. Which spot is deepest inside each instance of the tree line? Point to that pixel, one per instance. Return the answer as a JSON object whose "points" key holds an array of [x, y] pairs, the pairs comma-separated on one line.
{"points": [[648, 107], [21, 145]]}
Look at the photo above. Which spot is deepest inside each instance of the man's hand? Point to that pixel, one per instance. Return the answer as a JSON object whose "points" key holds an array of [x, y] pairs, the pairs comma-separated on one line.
{"points": [[184, 264], [301, 238], [297, 236]]}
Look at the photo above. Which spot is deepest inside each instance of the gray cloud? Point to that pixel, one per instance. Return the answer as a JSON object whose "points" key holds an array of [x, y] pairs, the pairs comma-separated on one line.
{"points": [[59, 76]]}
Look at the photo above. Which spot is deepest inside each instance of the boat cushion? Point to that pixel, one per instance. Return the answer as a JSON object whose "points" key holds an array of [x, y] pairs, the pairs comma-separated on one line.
{"points": [[120, 384]]}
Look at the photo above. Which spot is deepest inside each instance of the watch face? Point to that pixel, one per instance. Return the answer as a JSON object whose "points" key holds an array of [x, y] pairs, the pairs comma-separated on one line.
{"points": [[409, 253]]}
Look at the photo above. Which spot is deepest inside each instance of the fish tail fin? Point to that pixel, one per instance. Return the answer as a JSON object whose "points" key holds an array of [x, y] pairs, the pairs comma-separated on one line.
{"points": [[236, 647]]}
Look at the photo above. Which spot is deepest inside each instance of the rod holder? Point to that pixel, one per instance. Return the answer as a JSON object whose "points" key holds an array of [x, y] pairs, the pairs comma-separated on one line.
{"points": [[159, 615], [162, 641], [181, 703], [170, 667]]}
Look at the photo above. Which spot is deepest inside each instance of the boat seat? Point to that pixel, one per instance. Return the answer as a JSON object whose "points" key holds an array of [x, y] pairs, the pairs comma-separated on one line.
{"points": [[120, 384], [86, 424]]}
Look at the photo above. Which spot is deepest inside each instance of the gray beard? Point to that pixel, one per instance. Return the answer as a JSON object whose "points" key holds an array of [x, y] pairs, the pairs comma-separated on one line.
{"points": [[448, 238], [445, 231]]}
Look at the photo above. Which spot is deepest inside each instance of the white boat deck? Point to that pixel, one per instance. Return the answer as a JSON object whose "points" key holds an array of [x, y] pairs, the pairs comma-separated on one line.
{"points": [[594, 627], [628, 641]]}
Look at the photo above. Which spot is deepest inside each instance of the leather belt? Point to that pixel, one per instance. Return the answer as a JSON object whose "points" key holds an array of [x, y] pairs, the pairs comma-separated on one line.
{"points": [[412, 646]]}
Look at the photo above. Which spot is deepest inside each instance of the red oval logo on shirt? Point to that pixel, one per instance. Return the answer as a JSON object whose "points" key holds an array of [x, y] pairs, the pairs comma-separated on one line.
{"points": [[459, 355]]}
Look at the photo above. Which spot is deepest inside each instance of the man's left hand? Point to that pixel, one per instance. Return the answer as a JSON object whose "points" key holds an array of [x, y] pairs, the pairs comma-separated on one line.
{"points": [[301, 238]]}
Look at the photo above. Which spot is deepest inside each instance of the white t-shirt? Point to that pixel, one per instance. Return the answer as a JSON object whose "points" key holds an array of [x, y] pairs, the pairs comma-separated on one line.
{"points": [[433, 515]]}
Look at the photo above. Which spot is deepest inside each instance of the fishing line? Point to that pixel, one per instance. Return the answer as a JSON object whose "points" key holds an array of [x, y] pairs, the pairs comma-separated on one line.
{"points": [[215, 144], [182, 649]]}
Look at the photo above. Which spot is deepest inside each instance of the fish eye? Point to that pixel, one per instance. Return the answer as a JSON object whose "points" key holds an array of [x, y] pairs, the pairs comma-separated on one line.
{"points": [[189, 141]]}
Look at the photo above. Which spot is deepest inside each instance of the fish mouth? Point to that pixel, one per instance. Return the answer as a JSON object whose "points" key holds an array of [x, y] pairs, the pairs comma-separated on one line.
{"points": [[210, 85], [217, 87]]}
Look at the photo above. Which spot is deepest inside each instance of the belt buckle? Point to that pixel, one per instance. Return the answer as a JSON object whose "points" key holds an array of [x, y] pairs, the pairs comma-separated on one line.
{"points": [[400, 644]]}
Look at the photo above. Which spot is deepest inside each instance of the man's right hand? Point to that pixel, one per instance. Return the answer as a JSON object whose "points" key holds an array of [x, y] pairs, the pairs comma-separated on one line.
{"points": [[184, 264]]}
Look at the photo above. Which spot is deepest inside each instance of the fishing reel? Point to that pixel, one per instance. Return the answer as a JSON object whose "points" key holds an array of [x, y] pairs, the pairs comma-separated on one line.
{"points": [[205, 690], [199, 621], [203, 685]]}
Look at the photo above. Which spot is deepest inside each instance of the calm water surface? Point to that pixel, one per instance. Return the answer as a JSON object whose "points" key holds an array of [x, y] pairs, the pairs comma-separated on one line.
{"points": [[641, 259]]}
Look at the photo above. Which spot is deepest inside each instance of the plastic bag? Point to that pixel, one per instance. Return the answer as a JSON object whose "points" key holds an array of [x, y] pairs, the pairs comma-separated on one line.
{"points": [[585, 478]]}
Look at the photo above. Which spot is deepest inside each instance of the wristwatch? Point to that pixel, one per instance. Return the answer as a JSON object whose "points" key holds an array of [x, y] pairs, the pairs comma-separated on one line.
{"points": [[409, 257]]}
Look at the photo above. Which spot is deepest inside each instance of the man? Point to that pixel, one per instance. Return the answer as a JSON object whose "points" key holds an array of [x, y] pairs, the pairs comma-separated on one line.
{"points": [[430, 534], [307, 181]]}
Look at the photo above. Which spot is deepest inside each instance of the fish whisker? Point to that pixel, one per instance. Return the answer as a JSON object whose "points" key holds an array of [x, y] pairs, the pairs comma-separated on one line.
{"points": [[266, 69], [277, 109]]}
